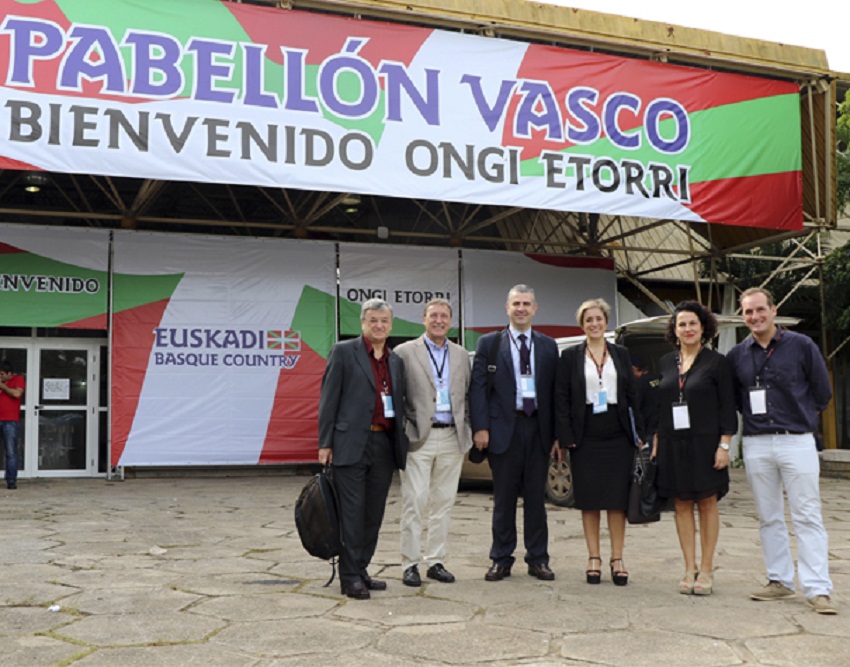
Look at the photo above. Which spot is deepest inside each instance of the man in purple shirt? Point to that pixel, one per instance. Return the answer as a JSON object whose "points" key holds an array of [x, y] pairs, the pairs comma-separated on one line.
{"points": [[782, 384]]}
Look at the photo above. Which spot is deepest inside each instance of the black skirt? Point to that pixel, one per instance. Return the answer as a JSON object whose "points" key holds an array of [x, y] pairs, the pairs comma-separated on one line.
{"points": [[602, 463]]}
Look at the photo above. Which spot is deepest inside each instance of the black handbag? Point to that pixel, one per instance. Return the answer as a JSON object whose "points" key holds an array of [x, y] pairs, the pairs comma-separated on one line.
{"points": [[644, 504]]}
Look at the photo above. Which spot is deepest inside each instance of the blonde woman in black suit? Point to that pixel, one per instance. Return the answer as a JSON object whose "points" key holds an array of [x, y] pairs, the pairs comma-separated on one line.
{"points": [[593, 392]]}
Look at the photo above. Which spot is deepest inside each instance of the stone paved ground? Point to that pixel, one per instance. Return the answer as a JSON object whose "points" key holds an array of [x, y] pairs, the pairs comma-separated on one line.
{"points": [[210, 571]]}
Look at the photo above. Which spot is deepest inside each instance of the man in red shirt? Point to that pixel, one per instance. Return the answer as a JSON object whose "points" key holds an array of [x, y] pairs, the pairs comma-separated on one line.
{"points": [[11, 391]]}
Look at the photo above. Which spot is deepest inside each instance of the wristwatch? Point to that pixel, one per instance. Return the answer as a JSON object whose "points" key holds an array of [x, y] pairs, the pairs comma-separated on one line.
{"points": [[724, 446]]}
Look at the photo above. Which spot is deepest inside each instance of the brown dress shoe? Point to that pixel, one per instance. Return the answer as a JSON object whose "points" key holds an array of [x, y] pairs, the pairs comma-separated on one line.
{"points": [[356, 590], [541, 571], [497, 572]]}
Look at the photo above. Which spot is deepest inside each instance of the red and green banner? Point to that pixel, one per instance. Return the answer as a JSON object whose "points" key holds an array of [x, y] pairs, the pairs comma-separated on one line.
{"points": [[226, 92]]}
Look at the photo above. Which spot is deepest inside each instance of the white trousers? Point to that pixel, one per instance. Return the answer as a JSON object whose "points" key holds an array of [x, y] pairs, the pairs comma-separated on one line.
{"points": [[428, 493], [789, 461]]}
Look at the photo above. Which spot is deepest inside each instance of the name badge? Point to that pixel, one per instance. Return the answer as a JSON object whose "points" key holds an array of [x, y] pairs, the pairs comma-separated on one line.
{"points": [[681, 418], [387, 400], [444, 403], [600, 402], [526, 386], [758, 400]]}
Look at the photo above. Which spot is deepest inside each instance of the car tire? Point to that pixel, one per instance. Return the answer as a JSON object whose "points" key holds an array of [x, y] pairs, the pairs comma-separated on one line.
{"points": [[559, 482]]}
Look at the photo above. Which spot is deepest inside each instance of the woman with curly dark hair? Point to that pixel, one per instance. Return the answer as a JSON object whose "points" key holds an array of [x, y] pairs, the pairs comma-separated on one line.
{"points": [[696, 421]]}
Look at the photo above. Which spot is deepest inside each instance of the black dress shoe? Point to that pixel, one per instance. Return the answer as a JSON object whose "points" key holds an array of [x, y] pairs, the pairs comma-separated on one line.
{"points": [[411, 577], [441, 574], [497, 572], [374, 584], [356, 590], [541, 571]]}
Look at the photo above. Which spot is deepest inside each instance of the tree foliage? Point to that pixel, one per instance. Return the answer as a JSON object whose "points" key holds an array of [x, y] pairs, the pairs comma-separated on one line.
{"points": [[843, 154], [836, 277]]}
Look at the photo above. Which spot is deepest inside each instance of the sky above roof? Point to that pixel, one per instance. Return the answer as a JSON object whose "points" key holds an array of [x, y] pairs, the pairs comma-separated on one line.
{"points": [[819, 24]]}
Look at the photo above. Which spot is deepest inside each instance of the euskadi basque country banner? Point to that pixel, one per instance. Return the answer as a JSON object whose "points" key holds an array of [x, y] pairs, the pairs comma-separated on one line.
{"points": [[214, 91], [219, 346]]}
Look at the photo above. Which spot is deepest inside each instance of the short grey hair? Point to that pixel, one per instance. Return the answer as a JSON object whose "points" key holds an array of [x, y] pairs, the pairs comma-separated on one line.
{"points": [[374, 304], [522, 289]]}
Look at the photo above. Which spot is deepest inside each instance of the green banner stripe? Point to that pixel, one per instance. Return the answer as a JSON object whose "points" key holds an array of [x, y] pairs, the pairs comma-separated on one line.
{"points": [[349, 323], [746, 139], [131, 291], [314, 318], [35, 294]]}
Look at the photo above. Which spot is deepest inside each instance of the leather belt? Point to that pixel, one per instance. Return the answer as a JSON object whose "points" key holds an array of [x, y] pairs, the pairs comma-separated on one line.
{"points": [[441, 425], [521, 413], [377, 428], [784, 432]]}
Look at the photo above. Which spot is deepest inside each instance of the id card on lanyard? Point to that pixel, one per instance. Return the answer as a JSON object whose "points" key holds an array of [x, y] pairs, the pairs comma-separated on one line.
{"points": [[387, 401], [758, 394], [681, 416], [600, 398], [444, 403]]}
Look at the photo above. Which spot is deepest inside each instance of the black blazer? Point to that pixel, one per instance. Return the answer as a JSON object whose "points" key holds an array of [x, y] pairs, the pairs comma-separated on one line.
{"points": [[497, 412], [347, 401], [571, 392]]}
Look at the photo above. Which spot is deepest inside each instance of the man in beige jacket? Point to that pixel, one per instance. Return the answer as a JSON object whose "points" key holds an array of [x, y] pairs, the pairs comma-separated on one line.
{"points": [[437, 373]]}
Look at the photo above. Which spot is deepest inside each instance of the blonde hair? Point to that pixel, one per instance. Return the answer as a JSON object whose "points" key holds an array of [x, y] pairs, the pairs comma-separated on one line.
{"points": [[601, 304]]}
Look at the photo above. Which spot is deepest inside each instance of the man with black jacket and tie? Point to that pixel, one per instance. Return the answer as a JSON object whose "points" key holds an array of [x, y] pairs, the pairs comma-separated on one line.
{"points": [[513, 418]]}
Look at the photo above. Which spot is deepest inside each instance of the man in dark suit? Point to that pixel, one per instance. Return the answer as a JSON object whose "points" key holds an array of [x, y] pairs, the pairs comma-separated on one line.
{"points": [[362, 435], [514, 420]]}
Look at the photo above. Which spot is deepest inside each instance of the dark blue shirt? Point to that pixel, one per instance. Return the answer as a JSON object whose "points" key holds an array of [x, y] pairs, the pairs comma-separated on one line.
{"points": [[794, 374]]}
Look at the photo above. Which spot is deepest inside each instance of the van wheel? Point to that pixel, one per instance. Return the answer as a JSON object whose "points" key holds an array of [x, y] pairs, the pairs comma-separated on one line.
{"points": [[559, 482]]}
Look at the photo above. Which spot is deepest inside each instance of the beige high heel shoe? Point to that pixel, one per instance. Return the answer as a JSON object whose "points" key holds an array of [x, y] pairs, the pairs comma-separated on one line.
{"points": [[687, 582], [704, 583]]}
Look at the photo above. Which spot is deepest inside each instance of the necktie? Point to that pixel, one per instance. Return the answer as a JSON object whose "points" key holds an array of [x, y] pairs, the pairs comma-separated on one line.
{"points": [[525, 369]]}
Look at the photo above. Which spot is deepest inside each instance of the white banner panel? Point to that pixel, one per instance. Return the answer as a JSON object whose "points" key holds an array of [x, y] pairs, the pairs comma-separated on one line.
{"points": [[560, 284], [405, 277], [219, 347]]}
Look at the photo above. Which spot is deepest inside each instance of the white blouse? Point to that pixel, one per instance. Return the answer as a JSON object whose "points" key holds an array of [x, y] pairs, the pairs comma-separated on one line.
{"points": [[591, 379]]}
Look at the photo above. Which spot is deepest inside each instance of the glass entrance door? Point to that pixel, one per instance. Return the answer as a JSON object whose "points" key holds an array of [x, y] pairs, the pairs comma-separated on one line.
{"points": [[62, 409]]}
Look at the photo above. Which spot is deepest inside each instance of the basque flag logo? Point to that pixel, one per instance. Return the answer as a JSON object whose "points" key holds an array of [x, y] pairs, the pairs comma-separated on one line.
{"points": [[289, 340]]}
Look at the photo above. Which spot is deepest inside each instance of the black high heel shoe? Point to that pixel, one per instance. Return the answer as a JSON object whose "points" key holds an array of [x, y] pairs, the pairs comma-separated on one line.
{"points": [[593, 576], [619, 576]]}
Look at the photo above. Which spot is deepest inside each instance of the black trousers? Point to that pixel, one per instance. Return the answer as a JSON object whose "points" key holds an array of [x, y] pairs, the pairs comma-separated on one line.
{"points": [[362, 491], [521, 470]]}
